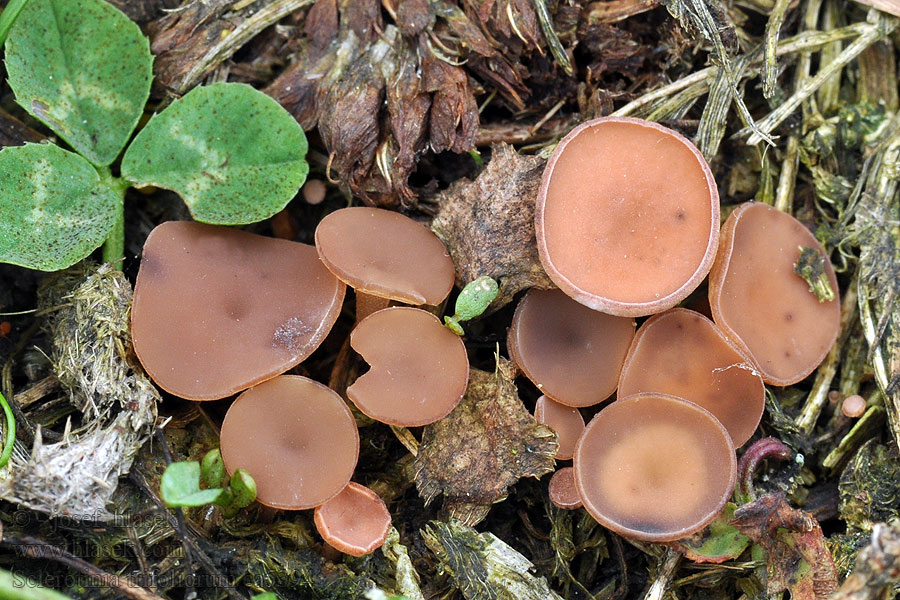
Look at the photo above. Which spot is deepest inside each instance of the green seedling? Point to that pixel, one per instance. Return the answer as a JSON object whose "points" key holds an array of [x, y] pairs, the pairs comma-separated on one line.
{"points": [[10, 432], [233, 154], [472, 301], [180, 485], [9, 16]]}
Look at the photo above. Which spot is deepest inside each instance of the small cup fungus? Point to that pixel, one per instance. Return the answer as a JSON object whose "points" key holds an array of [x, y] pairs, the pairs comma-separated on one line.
{"points": [[682, 353], [627, 216], [355, 522], [419, 368], [853, 406], [654, 467], [572, 353], [562, 490], [566, 421], [217, 310], [296, 437], [384, 256], [762, 304]]}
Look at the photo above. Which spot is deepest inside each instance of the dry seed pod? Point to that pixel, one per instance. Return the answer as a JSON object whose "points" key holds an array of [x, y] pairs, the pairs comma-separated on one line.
{"points": [[627, 217]]}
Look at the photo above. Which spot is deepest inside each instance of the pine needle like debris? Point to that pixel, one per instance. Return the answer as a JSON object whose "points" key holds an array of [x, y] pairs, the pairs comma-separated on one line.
{"points": [[483, 566], [94, 362]]}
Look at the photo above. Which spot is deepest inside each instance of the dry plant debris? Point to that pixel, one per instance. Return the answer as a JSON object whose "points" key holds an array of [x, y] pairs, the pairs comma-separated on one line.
{"points": [[491, 441], [94, 362], [796, 558], [483, 566], [488, 224]]}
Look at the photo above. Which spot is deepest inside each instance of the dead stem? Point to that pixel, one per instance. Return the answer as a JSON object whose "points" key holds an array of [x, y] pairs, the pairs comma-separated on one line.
{"points": [[818, 396], [249, 27], [880, 367], [866, 427], [668, 567], [32, 547], [808, 41], [882, 26]]}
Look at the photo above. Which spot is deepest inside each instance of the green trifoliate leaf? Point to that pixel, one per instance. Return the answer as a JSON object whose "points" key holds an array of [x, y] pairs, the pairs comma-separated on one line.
{"points": [[180, 486], [232, 153], [84, 69], [54, 210]]}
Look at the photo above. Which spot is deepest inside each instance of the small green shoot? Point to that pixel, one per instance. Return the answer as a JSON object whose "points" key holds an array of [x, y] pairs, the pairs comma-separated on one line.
{"points": [[10, 432], [9, 16], [232, 153], [265, 596], [212, 470], [472, 301], [811, 267], [180, 485]]}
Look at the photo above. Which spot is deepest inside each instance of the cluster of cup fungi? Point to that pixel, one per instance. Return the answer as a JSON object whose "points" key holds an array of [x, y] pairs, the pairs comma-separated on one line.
{"points": [[628, 225]]}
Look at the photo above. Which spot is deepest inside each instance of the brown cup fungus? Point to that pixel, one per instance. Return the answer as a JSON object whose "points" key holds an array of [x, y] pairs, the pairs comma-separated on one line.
{"points": [[355, 522], [297, 439], [761, 303], [572, 353], [217, 310], [566, 421], [684, 354], [627, 216], [419, 368], [384, 256], [562, 490], [654, 467], [853, 406]]}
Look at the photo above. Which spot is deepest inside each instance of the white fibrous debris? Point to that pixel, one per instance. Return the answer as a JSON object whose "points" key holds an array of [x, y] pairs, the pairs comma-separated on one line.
{"points": [[94, 363]]}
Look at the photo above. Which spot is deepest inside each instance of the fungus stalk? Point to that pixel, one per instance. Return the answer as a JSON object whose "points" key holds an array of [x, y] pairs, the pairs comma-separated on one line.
{"points": [[759, 451]]}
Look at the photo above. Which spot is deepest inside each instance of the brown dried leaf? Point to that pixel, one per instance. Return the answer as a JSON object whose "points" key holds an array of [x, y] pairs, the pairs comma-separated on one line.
{"points": [[454, 112], [348, 107], [484, 446], [488, 224], [414, 16], [407, 105], [181, 38], [796, 556]]}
